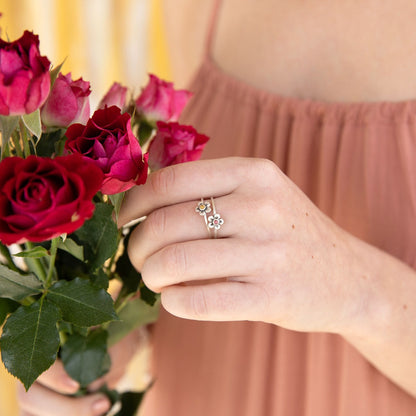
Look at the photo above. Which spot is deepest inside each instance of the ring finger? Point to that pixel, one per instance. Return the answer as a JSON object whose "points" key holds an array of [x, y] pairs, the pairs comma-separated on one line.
{"points": [[183, 222]]}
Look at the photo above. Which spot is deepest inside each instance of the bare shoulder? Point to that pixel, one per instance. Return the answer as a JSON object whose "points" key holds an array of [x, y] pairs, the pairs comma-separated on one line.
{"points": [[186, 25]]}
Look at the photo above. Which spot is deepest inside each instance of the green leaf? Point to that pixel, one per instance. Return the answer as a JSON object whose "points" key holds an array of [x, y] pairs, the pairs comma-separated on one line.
{"points": [[55, 72], [16, 286], [128, 274], [134, 314], [86, 358], [117, 200], [7, 125], [71, 247], [148, 295], [32, 123], [36, 252], [81, 302], [30, 340], [146, 130], [100, 279], [130, 402], [51, 143], [6, 306], [100, 236]]}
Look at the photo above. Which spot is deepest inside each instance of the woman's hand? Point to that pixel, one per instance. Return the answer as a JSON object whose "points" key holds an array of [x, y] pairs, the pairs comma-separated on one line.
{"points": [[277, 258], [50, 394]]}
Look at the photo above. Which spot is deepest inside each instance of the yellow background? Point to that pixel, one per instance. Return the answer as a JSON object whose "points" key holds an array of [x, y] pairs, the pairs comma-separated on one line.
{"points": [[101, 41]]}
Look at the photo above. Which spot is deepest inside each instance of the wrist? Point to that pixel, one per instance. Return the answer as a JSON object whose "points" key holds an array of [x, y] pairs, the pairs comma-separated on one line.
{"points": [[382, 294]]}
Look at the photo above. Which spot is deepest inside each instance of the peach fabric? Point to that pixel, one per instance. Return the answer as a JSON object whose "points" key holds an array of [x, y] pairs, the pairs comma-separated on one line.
{"points": [[357, 162]]}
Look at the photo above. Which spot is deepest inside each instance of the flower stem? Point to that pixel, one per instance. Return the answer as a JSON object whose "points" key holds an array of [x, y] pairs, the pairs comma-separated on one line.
{"points": [[53, 251], [25, 139], [17, 143], [35, 264]]}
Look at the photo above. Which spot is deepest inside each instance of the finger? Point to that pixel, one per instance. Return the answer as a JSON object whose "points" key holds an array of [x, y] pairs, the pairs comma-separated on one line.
{"points": [[179, 223], [187, 182], [57, 379], [200, 260], [225, 301], [41, 401]]}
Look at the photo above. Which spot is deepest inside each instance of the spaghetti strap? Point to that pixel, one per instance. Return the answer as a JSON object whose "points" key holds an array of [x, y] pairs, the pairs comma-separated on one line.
{"points": [[211, 28]]}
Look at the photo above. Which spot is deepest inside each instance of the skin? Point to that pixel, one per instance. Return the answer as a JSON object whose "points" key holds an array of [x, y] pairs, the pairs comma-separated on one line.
{"points": [[282, 260]]}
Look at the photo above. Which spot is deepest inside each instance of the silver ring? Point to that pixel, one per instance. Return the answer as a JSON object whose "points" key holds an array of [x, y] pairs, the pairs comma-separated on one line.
{"points": [[214, 221]]}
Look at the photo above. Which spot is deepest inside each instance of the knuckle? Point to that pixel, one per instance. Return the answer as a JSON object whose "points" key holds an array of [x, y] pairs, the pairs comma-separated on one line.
{"points": [[262, 171], [198, 303], [267, 170], [163, 180], [174, 262], [266, 208], [155, 224]]}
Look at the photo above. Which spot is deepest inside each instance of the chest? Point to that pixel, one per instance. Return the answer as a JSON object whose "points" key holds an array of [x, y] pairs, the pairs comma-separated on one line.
{"points": [[333, 51]]}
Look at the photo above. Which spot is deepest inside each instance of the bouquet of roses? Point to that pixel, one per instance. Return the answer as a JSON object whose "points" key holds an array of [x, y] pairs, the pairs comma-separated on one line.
{"points": [[63, 175]]}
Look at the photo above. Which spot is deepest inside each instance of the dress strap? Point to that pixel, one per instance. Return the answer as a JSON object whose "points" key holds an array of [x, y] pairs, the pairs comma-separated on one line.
{"points": [[212, 26]]}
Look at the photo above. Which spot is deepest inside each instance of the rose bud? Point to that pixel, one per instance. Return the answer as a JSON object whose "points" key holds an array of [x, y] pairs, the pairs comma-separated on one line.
{"points": [[160, 101], [42, 198], [175, 143], [116, 95], [108, 140], [68, 102], [24, 75]]}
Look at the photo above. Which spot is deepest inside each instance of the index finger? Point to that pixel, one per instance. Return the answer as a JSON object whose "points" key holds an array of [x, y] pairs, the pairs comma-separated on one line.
{"points": [[184, 182]]}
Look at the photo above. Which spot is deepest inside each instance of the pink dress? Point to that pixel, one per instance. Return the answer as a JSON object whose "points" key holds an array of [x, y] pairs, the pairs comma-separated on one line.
{"points": [[357, 162]]}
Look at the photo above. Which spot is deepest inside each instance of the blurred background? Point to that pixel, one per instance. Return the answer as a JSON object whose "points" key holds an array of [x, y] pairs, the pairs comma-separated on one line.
{"points": [[101, 41]]}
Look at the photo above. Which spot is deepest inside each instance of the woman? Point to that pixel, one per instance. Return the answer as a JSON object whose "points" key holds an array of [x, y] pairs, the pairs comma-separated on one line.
{"points": [[314, 263]]}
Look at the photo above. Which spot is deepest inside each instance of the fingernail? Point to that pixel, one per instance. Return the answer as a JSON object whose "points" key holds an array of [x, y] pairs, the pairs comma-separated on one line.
{"points": [[100, 406], [72, 384]]}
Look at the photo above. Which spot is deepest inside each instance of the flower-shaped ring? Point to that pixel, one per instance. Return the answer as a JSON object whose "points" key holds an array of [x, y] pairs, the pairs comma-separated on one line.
{"points": [[213, 222]]}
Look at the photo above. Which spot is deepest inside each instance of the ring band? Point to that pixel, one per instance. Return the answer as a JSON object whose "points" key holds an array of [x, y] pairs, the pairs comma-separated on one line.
{"points": [[214, 221]]}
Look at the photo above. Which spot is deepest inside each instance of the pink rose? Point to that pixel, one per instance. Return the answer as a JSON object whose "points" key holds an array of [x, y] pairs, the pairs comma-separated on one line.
{"points": [[68, 102], [24, 75], [42, 198], [175, 143], [116, 95], [108, 140], [160, 101]]}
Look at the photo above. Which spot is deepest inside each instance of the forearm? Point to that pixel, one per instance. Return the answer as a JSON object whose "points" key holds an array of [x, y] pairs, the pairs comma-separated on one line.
{"points": [[385, 333]]}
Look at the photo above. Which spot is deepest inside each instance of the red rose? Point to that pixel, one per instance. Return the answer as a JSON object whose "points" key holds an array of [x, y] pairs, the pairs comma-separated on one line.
{"points": [[68, 102], [116, 95], [108, 140], [175, 143], [24, 75], [160, 101], [42, 198]]}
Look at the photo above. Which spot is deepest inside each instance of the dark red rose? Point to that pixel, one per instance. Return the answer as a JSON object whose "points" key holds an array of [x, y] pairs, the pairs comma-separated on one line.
{"points": [[24, 75], [108, 140], [42, 198], [175, 143]]}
